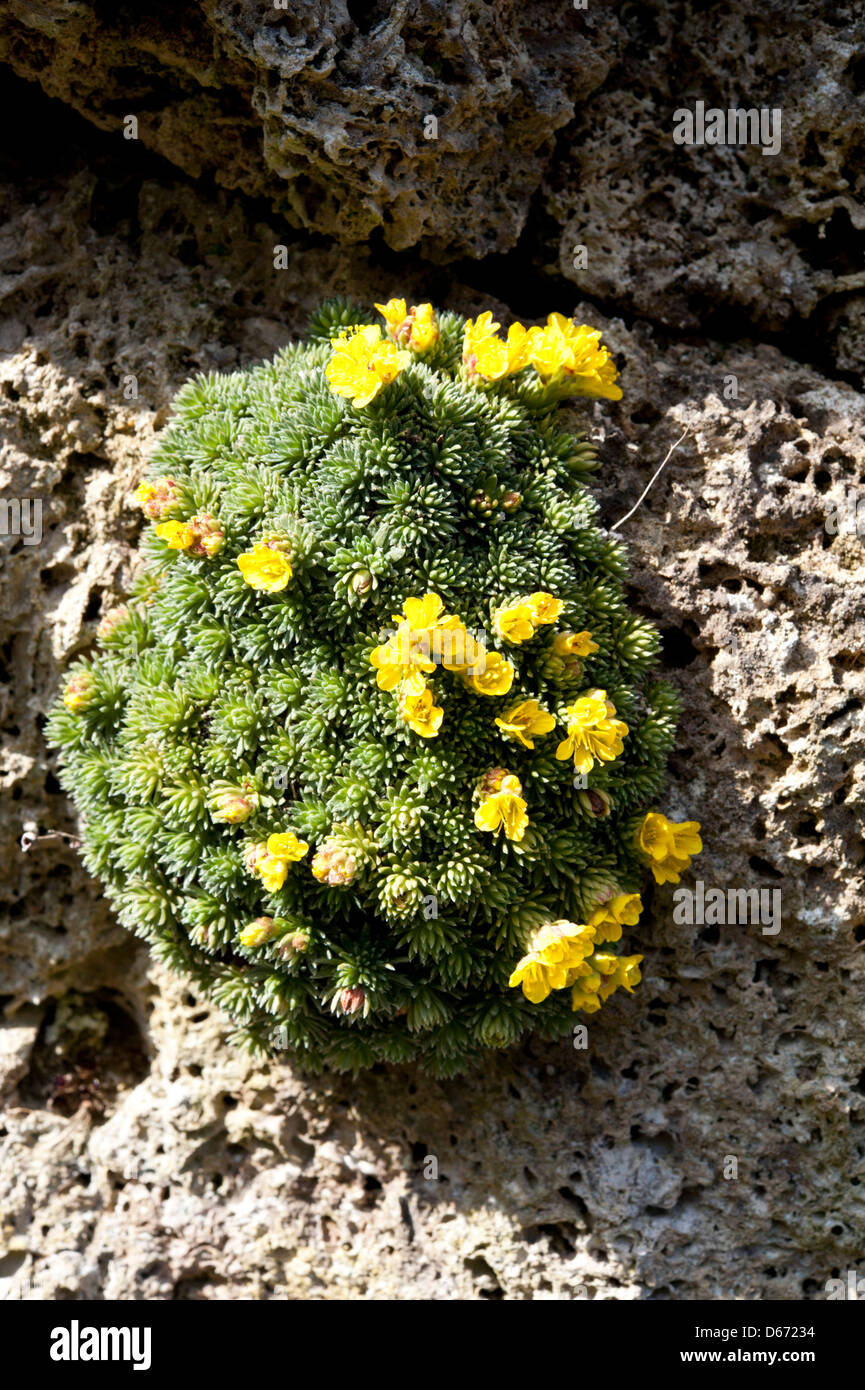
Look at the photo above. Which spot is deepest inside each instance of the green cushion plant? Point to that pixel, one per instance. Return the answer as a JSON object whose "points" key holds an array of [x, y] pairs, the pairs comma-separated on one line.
{"points": [[368, 753]]}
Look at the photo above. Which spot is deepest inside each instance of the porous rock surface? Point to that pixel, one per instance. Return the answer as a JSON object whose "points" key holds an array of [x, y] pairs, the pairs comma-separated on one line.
{"points": [[708, 1142]]}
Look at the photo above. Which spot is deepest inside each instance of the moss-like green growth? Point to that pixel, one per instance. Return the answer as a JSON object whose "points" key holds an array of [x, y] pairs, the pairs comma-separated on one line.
{"points": [[346, 816]]}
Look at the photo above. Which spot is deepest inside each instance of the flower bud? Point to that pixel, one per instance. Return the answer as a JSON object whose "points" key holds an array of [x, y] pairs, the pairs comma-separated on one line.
{"points": [[232, 806], [511, 500], [158, 498], [254, 853], [491, 781], [275, 540], [595, 802], [78, 691], [482, 502], [208, 536], [258, 932], [334, 865], [361, 581], [352, 1000], [111, 620]]}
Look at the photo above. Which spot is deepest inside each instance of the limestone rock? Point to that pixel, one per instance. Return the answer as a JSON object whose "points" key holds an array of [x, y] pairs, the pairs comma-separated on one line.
{"points": [[429, 122]]}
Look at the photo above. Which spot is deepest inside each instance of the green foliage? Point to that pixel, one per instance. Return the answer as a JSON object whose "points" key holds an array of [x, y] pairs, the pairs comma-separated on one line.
{"points": [[207, 688]]}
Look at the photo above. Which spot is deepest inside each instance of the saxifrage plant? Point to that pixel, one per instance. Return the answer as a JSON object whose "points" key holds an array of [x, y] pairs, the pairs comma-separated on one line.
{"points": [[370, 751]]}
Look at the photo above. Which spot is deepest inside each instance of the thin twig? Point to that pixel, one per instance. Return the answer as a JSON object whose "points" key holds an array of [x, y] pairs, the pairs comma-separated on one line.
{"points": [[30, 838], [656, 474]]}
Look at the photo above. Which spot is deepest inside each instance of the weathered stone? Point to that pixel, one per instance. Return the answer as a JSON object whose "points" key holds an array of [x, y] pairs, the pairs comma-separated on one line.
{"points": [[430, 122], [550, 1172], [712, 236]]}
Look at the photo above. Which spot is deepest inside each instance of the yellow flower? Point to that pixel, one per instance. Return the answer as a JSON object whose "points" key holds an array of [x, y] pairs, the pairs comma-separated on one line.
{"points": [[669, 845], [476, 332], [362, 364], [394, 314], [200, 535], [417, 327], [487, 355], [575, 355], [574, 644], [271, 860], [544, 608], [519, 345], [594, 733], [400, 663], [621, 910], [532, 975], [582, 997], [286, 846], [265, 567], [178, 535], [424, 329], [421, 714], [421, 614], [515, 623], [624, 974], [522, 720], [556, 953], [496, 677], [504, 810]]}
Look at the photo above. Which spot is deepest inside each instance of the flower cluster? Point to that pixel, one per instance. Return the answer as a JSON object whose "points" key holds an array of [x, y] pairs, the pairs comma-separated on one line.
{"points": [[334, 864], [158, 498], [415, 328], [277, 929], [426, 636], [564, 353], [556, 958], [604, 973], [519, 621], [200, 535], [566, 356], [564, 955], [350, 876]]}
